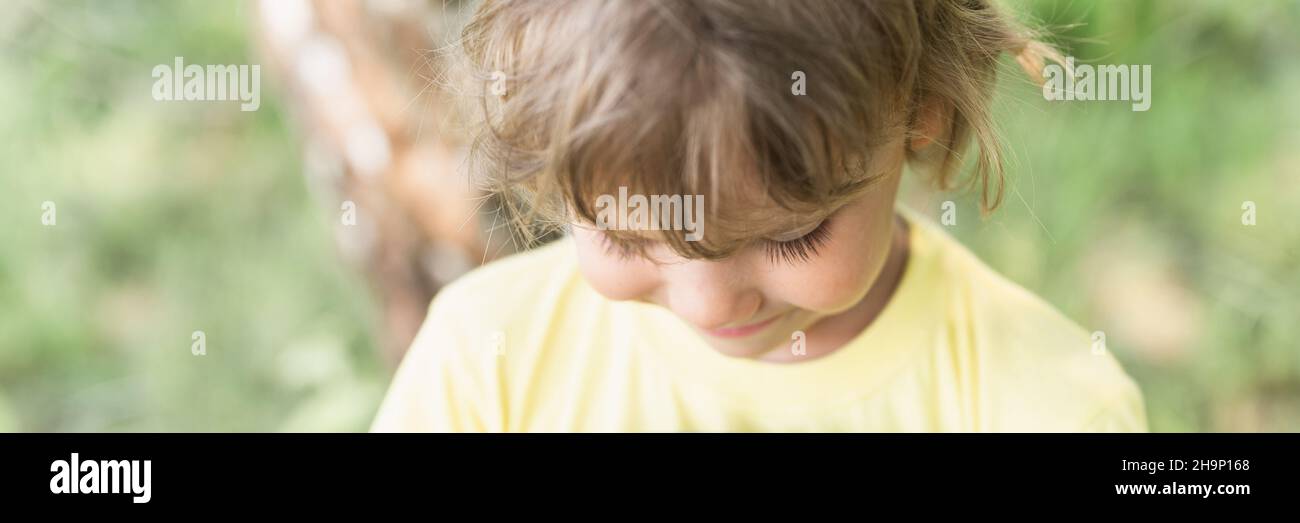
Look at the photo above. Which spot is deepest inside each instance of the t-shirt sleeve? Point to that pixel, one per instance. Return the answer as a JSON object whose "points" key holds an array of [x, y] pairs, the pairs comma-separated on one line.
{"points": [[1126, 413], [440, 384]]}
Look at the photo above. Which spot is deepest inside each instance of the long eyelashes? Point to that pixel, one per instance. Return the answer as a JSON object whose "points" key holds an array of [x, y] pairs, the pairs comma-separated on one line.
{"points": [[799, 250], [791, 252], [622, 250]]}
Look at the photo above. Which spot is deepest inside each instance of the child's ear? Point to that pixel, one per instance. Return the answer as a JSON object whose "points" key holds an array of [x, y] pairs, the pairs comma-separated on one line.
{"points": [[930, 124]]}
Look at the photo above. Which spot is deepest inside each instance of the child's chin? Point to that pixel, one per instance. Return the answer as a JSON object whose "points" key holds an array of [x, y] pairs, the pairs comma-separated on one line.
{"points": [[750, 348]]}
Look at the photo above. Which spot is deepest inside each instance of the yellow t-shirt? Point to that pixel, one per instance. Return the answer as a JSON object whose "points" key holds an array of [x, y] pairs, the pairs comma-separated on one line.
{"points": [[523, 344]]}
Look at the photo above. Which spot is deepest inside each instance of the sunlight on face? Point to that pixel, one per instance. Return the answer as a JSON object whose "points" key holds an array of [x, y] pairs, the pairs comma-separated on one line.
{"points": [[749, 305]]}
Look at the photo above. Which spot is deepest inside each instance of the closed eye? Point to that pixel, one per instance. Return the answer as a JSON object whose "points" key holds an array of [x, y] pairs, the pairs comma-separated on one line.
{"points": [[798, 250], [625, 250], [791, 252]]}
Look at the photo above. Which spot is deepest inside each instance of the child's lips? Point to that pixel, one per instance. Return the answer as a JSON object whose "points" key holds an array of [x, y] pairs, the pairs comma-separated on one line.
{"points": [[743, 330]]}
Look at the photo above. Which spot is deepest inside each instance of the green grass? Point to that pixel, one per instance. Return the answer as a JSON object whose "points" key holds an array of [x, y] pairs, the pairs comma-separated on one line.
{"points": [[1130, 222], [172, 218]]}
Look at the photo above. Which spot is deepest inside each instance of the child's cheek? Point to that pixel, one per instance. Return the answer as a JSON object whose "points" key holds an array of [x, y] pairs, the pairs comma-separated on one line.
{"points": [[612, 277], [837, 279], [826, 286]]}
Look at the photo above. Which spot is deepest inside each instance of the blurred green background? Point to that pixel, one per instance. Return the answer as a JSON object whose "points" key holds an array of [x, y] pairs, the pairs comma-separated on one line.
{"points": [[178, 217]]}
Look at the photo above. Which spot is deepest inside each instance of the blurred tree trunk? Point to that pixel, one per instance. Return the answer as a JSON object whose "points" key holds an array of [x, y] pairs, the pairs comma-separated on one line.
{"points": [[358, 75]]}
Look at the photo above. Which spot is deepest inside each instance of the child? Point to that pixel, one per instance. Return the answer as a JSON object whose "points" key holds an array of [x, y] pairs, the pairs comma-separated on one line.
{"points": [[805, 300]]}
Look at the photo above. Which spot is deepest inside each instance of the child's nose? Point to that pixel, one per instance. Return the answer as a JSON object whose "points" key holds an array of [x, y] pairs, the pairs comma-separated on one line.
{"points": [[710, 295]]}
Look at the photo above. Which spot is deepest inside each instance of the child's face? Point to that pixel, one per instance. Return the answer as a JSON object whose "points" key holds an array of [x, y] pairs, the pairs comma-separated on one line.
{"points": [[749, 305]]}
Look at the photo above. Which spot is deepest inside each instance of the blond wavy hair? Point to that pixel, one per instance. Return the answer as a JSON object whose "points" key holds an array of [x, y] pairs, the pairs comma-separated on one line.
{"points": [[578, 97]]}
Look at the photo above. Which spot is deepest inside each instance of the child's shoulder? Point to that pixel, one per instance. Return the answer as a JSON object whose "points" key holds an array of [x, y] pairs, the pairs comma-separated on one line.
{"points": [[511, 287], [1037, 364], [532, 268]]}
